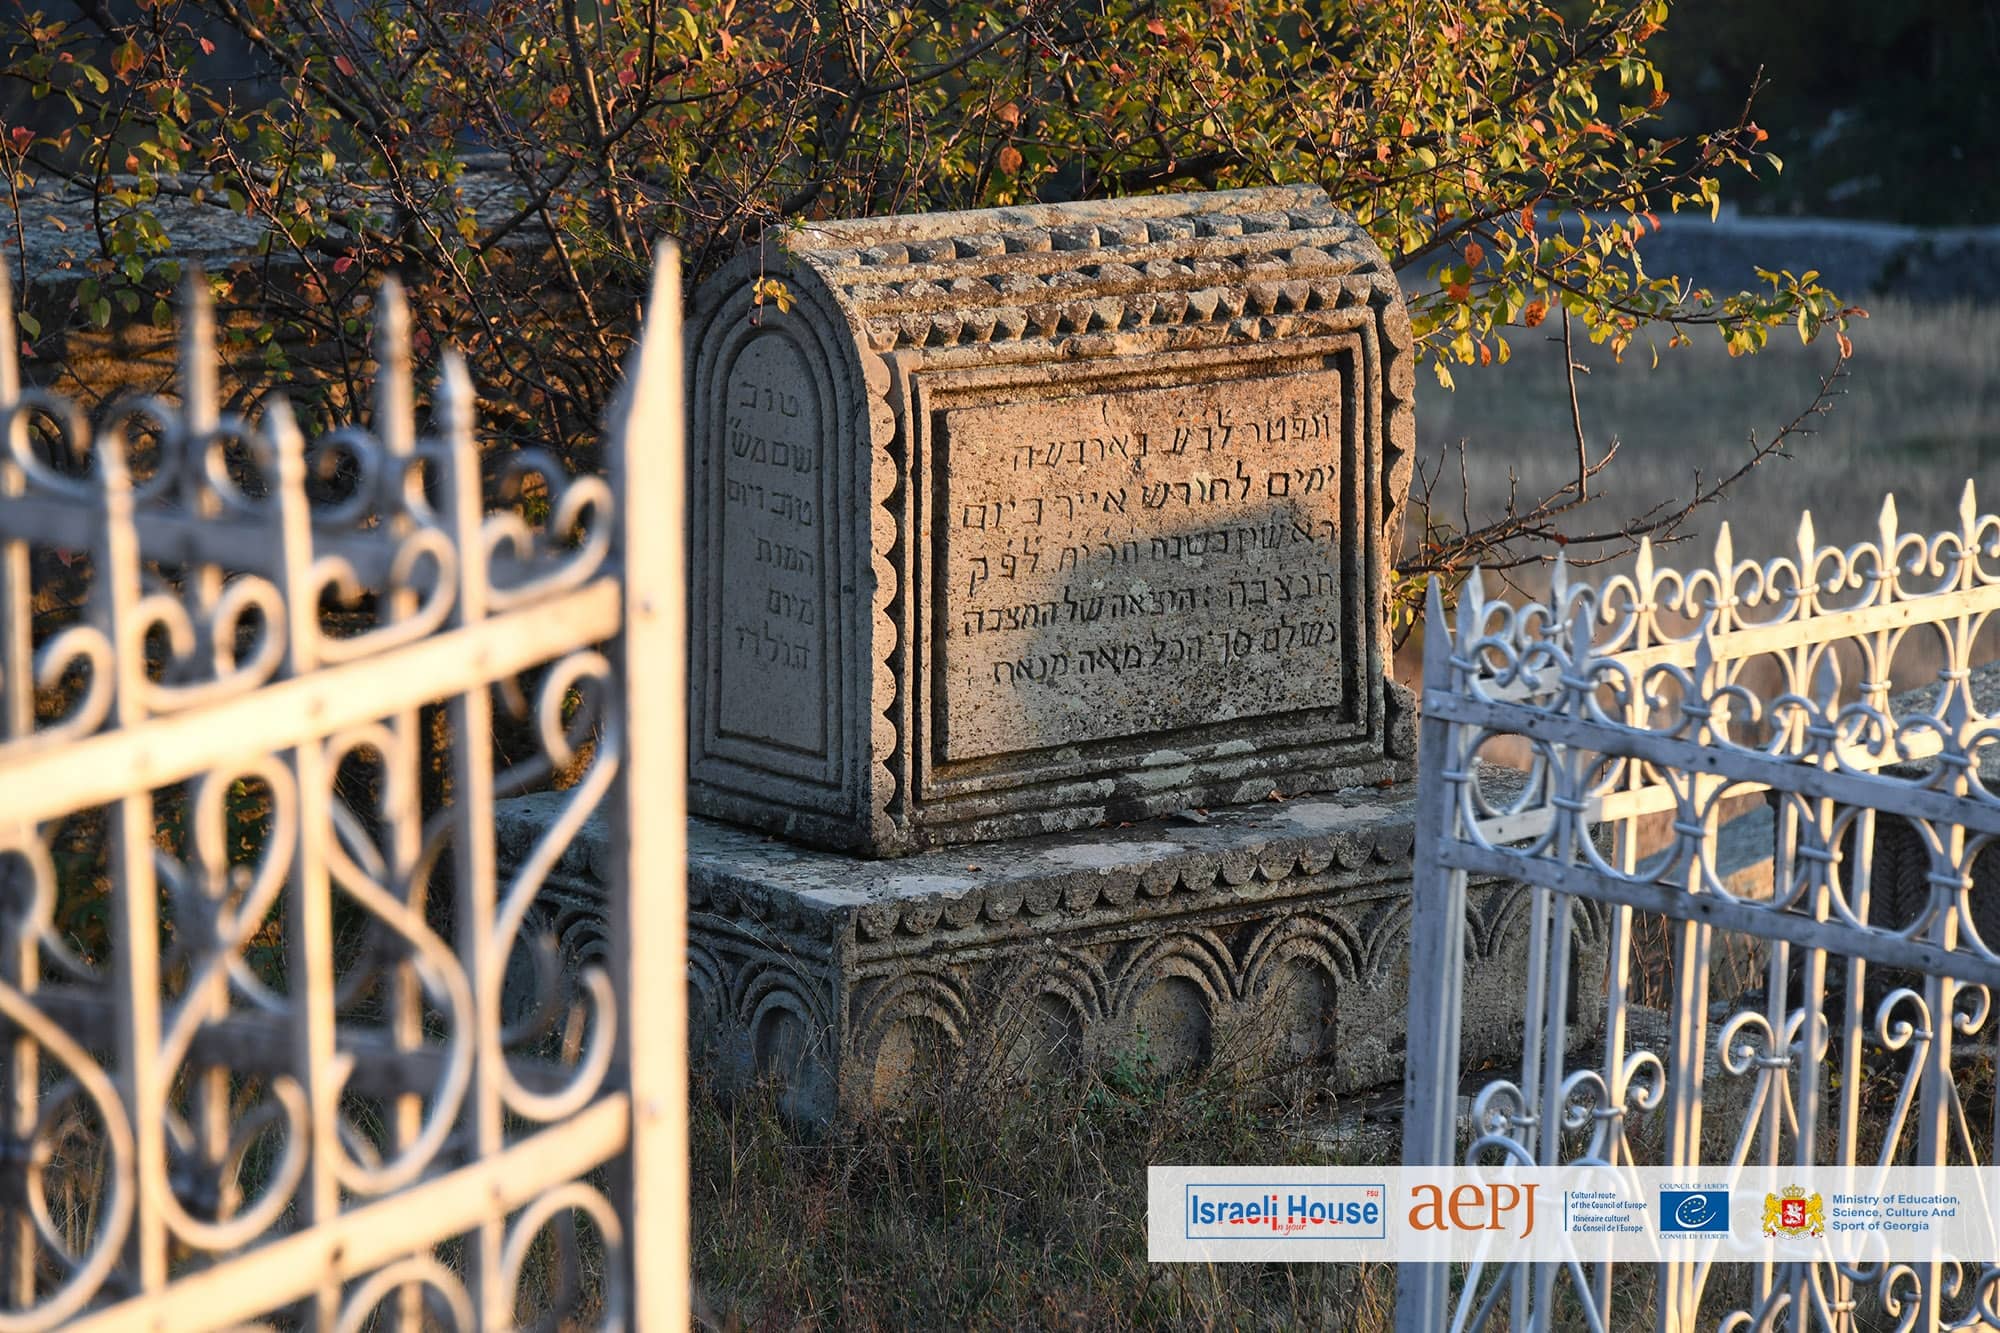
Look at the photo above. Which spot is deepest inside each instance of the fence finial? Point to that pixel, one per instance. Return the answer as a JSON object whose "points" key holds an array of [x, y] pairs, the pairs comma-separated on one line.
{"points": [[1437, 630], [1471, 606], [294, 513], [10, 369], [651, 383], [395, 395], [1581, 640], [200, 391], [456, 409]]}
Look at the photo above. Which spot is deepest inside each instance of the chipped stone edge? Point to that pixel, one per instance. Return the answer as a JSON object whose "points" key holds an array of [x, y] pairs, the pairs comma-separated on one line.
{"points": [[732, 883]]}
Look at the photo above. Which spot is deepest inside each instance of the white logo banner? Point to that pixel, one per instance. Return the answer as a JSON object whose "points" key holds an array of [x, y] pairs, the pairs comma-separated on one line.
{"points": [[1589, 1214]]}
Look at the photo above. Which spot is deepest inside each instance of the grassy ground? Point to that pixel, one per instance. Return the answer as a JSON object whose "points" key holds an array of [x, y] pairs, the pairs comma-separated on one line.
{"points": [[1026, 1210], [1003, 1210]]}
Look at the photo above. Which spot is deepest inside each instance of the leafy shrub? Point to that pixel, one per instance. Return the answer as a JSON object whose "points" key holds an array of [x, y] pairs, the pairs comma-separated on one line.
{"points": [[517, 160]]}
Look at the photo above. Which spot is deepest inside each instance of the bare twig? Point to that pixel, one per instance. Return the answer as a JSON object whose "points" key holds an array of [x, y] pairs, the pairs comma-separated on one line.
{"points": [[1575, 414], [1505, 542]]}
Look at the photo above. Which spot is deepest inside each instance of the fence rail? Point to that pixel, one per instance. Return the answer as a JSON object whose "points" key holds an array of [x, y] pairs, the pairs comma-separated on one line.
{"points": [[1691, 696], [276, 1040]]}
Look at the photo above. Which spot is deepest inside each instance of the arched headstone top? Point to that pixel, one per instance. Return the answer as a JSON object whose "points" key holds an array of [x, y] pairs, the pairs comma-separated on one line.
{"points": [[1029, 518]]}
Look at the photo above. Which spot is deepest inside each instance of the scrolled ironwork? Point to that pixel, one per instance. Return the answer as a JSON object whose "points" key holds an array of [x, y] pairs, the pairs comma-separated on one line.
{"points": [[1756, 690], [257, 964]]}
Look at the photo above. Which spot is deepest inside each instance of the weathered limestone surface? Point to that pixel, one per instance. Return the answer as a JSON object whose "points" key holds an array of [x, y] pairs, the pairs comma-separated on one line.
{"points": [[1033, 519], [1271, 935]]}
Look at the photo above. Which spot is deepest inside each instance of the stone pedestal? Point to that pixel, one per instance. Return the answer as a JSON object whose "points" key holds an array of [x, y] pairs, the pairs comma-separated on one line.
{"points": [[1267, 935]]}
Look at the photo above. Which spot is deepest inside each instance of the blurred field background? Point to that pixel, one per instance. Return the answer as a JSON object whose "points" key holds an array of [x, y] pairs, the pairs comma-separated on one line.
{"points": [[1917, 414]]}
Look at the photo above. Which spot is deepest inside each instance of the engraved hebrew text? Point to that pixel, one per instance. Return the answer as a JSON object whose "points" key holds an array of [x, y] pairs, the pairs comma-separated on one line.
{"points": [[771, 684], [1139, 562]]}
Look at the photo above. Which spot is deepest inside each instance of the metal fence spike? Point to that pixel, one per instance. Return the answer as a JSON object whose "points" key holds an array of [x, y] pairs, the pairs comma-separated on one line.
{"points": [[395, 393], [10, 365]]}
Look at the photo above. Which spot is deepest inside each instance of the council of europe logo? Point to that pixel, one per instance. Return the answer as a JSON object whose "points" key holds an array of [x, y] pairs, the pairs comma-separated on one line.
{"points": [[1694, 1212]]}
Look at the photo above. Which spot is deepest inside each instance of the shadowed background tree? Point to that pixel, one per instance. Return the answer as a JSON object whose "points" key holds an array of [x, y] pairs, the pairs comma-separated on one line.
{"points": [[515, 161], [1880, 111]]}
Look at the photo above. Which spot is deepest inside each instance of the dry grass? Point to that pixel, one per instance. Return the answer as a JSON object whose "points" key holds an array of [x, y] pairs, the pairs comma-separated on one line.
{"points": [[1920, 414], [996, 1211], [1028, 1212]]}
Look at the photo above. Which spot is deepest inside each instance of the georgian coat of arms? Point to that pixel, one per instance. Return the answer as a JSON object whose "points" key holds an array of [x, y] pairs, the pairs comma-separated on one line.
{"points": [[1793, 1212]]}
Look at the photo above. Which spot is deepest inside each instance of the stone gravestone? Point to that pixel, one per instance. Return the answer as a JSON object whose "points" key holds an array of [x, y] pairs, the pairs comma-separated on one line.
{"points": [[1055, 530], [1038, 518]]}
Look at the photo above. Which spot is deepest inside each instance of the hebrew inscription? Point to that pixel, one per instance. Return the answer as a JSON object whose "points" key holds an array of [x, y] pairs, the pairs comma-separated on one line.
{"points": [[1137, 562], [772, 683]]}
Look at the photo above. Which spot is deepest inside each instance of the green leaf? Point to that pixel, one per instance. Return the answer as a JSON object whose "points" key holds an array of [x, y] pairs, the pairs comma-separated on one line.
{"points": [[29, 324]]}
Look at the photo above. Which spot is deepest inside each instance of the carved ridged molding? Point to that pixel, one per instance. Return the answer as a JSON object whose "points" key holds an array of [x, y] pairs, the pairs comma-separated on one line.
{"points": [[828, 973]]}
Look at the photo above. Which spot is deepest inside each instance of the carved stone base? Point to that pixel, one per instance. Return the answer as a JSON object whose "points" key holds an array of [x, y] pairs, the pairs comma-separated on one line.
{"points": [[1268, 934]]}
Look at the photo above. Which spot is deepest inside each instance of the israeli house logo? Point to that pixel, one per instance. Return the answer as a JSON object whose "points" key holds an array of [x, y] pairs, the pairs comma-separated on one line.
{"points": [[1291, 1211], [1694, 1212]]}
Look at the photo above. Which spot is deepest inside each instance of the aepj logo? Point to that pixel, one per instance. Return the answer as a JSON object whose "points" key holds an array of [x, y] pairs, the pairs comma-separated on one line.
{"points": [[1694, 1212], [1250, 1212]]}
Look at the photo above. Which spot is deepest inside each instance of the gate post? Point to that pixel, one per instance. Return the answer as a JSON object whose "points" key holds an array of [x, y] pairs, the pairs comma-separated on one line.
{"points": [[1437, 975], [650, 815]]}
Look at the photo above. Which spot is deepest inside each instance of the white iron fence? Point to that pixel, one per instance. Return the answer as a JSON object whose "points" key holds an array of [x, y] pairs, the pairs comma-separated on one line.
{"points": [[1864, 1035], [273, 1041]]}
